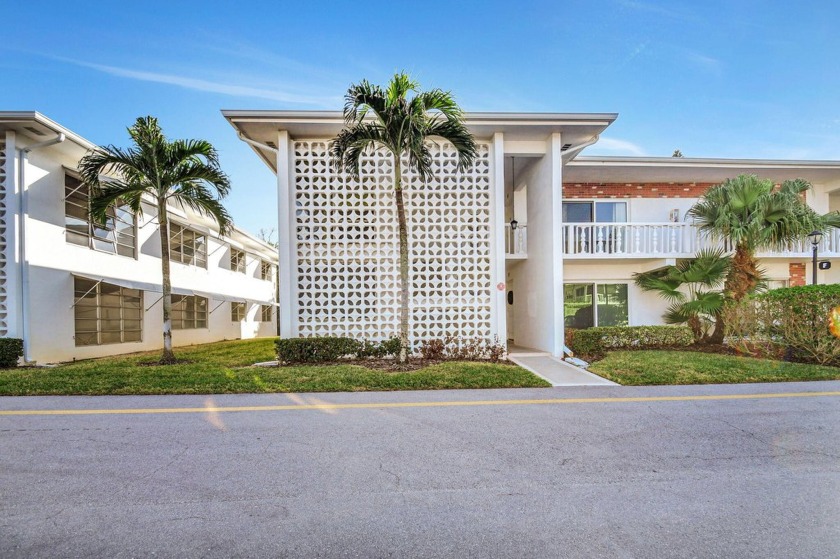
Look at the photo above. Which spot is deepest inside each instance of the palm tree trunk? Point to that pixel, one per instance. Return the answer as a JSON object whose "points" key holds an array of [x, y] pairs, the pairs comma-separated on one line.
{"points": [[168, 356], [741, 280], [403, 235]]}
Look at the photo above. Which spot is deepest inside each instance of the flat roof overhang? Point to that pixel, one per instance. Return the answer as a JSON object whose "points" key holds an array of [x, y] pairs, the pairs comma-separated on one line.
{"points": [[263, 126], [594, 169]]}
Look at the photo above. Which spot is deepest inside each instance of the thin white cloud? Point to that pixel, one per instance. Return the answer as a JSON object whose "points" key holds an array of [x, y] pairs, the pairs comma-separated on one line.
{"points": [[706, 62], [615, 146], [197, 84]]}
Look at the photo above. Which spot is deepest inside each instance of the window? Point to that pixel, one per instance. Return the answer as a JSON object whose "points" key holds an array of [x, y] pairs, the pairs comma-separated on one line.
{"points": [[603, 212], [189, 312], [265, 313], [237, 260], [237, 312], [580, 309], [106, 313], [187, 246], [117, 235], [265, 270]]}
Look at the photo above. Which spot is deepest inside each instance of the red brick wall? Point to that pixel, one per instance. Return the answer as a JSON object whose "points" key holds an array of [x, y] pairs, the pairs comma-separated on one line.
{"points": [[635, 190], [797, 274]]}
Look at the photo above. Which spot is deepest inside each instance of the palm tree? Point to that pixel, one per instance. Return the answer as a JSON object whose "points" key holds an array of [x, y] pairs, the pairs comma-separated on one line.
{"points": [[692, 287], [183, 171], [749, 214], [390, 119]]}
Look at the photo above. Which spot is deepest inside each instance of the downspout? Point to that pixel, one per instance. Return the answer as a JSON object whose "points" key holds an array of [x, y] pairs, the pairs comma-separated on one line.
{"points": [[574, 149], [23, 213]]}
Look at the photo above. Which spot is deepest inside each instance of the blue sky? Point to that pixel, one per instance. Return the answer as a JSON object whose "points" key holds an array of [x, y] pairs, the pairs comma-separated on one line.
{"points": [[713, 79]]}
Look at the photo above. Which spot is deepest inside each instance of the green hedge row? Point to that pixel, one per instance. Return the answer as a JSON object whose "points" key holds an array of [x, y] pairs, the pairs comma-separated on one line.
{"points": [[331, 348], [11, 350], [593, 342], [792, 322]]}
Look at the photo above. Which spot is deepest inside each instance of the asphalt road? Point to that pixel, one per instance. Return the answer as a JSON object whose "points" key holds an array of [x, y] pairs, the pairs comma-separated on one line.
{"points": [[745, 477]]}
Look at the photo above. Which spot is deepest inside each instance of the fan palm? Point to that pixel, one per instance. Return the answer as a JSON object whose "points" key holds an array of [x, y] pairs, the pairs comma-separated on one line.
{"points": [[185, 172], [400, 119], [692, 287], [749, 214]]}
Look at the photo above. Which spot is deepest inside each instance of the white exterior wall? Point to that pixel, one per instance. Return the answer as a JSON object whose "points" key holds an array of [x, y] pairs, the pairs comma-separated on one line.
{"points": [[537, 282], [51, 263]]}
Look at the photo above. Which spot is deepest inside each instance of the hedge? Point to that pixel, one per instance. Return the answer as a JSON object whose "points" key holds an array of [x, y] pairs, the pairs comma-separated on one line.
{"points": [[792, 322], [593, 342], [315, 350], [11, 350], [330, 348]]}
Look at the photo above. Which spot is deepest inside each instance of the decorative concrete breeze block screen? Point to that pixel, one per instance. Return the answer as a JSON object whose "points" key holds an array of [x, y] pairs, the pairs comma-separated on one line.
{"points": [[4, 189], [347, 246]]}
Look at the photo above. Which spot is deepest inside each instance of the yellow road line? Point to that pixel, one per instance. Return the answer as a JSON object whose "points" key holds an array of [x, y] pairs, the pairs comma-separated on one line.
{"points": [[380, 405]]}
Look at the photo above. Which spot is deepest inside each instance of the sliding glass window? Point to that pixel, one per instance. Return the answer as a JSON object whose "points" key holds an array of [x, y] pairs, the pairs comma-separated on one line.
{"points": [[608, 307]]}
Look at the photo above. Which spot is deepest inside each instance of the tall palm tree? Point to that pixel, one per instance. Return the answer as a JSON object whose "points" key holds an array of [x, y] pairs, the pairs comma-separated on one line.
{"points": [[692, 286], [750, 214], [186, 172], [400, 119]]}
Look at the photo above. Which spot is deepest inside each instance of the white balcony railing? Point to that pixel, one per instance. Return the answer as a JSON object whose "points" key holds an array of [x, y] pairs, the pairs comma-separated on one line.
{"points": [[658, 240], [516, 241]]}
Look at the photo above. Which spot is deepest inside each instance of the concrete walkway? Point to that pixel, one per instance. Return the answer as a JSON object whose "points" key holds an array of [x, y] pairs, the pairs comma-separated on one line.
{"points": [[552, 369]]}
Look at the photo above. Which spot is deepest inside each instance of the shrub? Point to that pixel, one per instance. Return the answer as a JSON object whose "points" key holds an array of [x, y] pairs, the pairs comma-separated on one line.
{"points": [[463, 349], [792, 321], [385, 348], [315, 350], [432, 349], [592, 342], [11, 350]]}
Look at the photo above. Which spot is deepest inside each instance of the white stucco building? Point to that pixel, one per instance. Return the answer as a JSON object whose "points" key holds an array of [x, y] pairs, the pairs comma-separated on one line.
{"points": [[532, 240], [73, 290]]}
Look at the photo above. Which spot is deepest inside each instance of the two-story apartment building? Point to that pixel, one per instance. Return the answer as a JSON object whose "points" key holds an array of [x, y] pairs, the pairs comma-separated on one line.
{"points": [[74, 289], [530, 241]]}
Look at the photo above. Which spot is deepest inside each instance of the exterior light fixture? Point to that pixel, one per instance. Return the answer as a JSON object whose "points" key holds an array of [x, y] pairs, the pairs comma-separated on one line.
{"points": [[816, 238], [514, 224]]}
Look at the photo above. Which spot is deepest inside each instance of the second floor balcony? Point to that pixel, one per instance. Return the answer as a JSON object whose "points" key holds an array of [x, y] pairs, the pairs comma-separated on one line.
{"points": [[665, 240]]}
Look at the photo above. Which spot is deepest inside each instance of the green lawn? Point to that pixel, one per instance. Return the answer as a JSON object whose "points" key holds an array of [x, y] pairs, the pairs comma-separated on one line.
{"points": [[223, 367], [647, 367]]}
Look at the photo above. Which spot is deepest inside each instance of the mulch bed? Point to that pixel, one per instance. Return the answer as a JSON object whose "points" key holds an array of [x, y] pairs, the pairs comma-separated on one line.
{"points": [[391, 365]]}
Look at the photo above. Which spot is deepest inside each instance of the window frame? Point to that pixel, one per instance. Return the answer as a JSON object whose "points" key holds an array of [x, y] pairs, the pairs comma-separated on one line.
{"points": [[244, 261], [186, 251], [594, 202], [92, 238], [180, 317], [100, 308], [266, 272], [594, 303], [238, 311], [266, 309]]}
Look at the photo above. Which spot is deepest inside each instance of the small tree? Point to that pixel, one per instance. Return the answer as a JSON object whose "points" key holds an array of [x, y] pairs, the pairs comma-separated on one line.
{"points": [[186, 172], [750, 214], [392, 119], [693, 289]]}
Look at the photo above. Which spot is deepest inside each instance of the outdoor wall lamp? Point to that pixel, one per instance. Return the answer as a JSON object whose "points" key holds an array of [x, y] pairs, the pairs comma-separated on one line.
{"points": [[514, 224], [816, 238]]}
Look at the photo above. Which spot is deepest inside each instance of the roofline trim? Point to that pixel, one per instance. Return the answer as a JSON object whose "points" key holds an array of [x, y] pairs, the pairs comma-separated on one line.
{"points": [[616, 161]]}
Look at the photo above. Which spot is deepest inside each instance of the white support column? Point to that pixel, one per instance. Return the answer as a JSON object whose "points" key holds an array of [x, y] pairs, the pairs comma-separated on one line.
{"points": [[12, 223], [285, 235], [498, 310], [554, 151]]}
